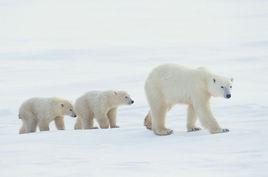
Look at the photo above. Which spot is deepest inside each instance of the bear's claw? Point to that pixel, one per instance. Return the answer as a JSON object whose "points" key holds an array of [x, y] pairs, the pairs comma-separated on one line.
{"points": [[194, 129], [149, 128], [224, 130], [116, 126], [163, 132], [94, 128], [148, 123]]}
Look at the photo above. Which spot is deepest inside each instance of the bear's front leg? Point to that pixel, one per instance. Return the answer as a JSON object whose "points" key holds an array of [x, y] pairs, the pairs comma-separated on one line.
{"points": [[191, 119], [207, 119], [112, 118], [59, 122]]}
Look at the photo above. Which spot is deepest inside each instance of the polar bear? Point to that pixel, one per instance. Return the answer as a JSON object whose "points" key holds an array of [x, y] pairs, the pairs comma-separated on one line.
{"points": [[170, 84], [101, 105], [41, 111]]}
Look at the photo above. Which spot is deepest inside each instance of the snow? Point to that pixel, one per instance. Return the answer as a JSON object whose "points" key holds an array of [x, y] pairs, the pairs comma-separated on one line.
{"points": [[65, 48]]}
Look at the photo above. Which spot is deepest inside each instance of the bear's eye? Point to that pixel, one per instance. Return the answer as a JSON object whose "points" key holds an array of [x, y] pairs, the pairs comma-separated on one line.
{"points": [[222, 87], [71, 110], [126, 97], [231, 87]]}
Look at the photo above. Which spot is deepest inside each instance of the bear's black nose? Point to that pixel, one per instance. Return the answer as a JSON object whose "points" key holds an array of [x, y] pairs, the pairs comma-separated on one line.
{"points": [[228, 96], [132, 101]]}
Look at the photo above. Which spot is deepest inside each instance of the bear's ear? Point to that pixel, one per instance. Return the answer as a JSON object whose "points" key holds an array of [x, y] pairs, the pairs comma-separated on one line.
{"points": [[62, 105], [232, 79], [214, 80]]}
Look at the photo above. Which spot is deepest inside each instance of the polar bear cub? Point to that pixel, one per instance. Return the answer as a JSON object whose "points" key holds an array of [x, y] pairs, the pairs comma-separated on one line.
{"points": [[170, 84], [41, 111], [101, 105]]}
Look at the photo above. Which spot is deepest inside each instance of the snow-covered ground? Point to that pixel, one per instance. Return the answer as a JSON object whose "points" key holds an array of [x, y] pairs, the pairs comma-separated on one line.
{"points": [[65, 48]]}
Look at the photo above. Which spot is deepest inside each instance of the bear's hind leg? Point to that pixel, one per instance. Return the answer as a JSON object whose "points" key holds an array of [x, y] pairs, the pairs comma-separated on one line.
{"points": [[112, 118], [191, 119], [103, 120], [88, 122], [29, 122], [158, 119], [28, 126], [148, 121], [43, 125], [59, 122], [91, 121], [23, 128], [78, 123], [33, 125]]}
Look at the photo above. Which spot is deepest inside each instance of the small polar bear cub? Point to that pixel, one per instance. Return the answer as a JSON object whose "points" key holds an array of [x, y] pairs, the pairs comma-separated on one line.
{"points": [[100, 105], [41, 111], [170, 84]]}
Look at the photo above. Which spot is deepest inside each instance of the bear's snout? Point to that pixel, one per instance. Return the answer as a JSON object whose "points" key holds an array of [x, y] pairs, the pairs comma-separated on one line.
{"points": [[131, 102], [228, 96]]}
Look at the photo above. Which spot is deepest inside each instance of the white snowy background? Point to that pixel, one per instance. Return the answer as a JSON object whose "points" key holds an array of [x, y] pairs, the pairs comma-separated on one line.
{"points": [[67, 47]]}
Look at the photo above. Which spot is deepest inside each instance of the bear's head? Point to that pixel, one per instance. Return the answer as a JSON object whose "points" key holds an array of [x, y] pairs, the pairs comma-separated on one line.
{"points": [[122, 98], [67, 108], [220, 86]]}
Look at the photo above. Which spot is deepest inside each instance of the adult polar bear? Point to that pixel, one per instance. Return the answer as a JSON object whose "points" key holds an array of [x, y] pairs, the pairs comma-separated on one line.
{"points": [[170, 84]]}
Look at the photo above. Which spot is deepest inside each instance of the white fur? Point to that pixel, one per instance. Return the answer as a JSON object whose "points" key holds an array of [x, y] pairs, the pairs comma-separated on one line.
{"points": [[99, 105], [41, 111], [170, 84]]}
